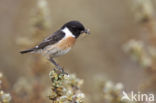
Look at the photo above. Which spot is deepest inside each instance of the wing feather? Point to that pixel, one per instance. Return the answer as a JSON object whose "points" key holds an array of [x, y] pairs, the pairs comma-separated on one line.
{"points": [[52, 39]]}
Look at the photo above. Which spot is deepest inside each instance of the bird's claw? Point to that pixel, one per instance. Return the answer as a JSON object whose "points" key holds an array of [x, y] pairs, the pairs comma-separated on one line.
{"points": [[61, 70]]}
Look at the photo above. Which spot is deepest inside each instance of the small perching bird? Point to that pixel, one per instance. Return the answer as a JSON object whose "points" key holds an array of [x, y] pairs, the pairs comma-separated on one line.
{"points": [[60, 42]]}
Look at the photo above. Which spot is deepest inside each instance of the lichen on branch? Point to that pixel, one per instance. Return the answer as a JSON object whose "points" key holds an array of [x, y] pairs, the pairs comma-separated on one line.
{"points": [[65, 88]]}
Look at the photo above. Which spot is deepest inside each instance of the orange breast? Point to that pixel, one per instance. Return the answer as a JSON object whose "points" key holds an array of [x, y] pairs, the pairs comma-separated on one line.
{"points": [[67, 43]]}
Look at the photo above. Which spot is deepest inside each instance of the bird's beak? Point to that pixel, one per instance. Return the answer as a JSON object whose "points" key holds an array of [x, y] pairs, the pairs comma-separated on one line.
{"points": [[87, 31]]}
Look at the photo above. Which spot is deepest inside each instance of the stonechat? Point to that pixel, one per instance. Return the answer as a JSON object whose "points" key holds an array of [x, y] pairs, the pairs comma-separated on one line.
{"points": [[60, 42]]}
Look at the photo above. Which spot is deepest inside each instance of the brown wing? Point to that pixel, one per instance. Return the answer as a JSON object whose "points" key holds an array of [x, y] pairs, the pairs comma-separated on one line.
{"points": [[52, 39]]}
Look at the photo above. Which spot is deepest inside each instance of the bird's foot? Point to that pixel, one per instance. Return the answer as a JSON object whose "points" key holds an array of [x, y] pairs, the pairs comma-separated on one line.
{"points": [[61, 70]]}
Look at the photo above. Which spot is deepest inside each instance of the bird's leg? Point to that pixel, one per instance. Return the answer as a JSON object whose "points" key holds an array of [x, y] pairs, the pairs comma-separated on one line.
{"points": [[53, 61], [57, 66]]}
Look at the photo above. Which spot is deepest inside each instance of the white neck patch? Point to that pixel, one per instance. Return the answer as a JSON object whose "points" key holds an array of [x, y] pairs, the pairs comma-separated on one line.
{"points": [[67, 32]]}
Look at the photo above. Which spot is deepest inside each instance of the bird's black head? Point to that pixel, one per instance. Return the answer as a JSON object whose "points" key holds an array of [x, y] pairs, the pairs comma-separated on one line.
{"points": [[76, 28]]}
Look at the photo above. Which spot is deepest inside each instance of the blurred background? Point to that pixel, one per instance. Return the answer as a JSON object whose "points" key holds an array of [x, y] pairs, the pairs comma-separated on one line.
{"points": [[122, 31]]}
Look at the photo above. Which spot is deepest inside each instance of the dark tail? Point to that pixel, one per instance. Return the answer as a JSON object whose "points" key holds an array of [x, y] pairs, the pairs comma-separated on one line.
{"points": [[26, 51]]}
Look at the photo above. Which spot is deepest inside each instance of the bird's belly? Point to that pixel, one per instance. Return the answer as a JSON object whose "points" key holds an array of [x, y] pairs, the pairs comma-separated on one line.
{"points": [[59, 48], [54, 52], [61, 52]]}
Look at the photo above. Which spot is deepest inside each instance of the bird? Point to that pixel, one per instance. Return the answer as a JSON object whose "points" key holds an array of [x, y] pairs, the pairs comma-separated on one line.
{"points": [[60, 42]]}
